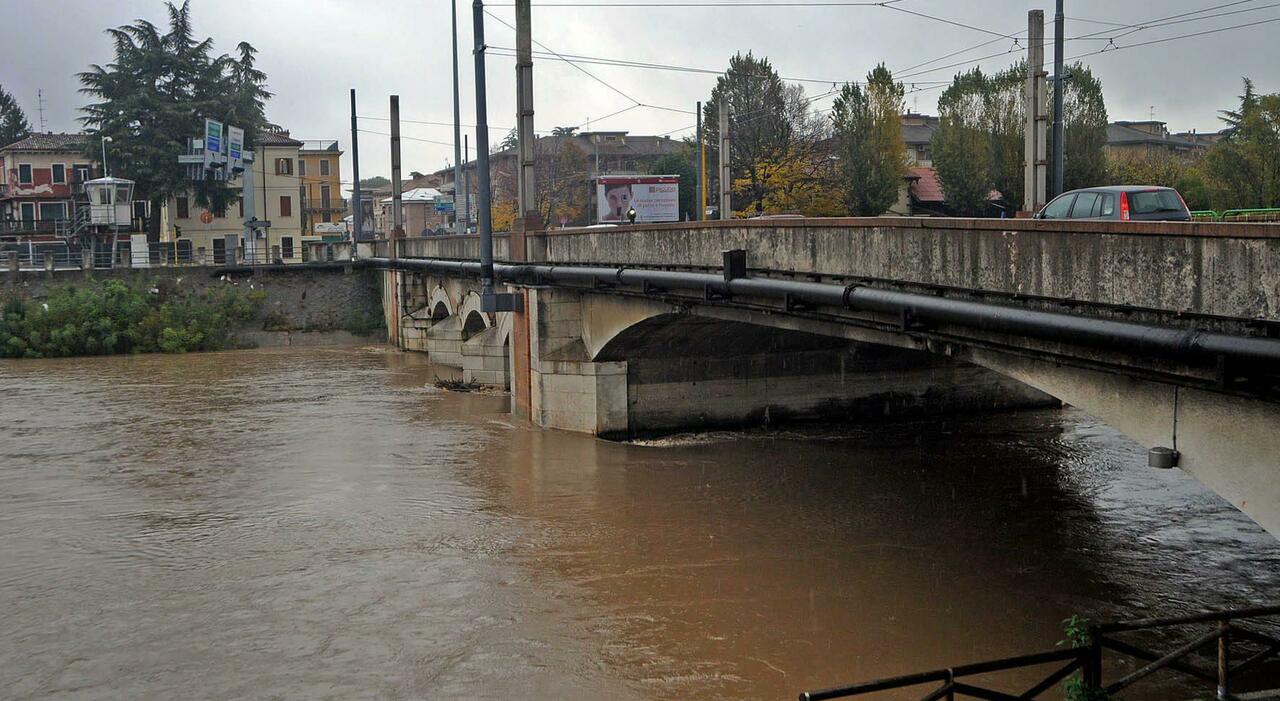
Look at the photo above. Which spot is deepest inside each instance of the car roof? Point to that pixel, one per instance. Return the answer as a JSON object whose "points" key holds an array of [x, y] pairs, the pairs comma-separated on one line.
{"points": [[1120, 188]]}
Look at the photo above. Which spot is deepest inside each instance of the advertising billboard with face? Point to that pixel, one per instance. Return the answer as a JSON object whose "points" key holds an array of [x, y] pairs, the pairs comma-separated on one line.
{"points": [[656, 198]]}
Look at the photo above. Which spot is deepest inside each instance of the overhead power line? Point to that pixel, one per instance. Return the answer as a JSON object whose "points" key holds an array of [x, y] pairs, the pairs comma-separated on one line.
{"points": [[797, 3]]}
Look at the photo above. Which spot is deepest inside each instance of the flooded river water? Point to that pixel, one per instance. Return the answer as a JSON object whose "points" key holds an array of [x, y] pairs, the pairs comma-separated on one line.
{"points": [[311, 524]]}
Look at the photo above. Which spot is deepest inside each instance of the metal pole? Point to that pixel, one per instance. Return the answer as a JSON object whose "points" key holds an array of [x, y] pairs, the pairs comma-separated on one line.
{"points": [[357, 213], [702, 170], [1224, 660], [459, 227], [106, 173], [1057, 102], [526, 186], [726, 171], [482, 155], [466, 181], [397, 216], [1034, 162]]}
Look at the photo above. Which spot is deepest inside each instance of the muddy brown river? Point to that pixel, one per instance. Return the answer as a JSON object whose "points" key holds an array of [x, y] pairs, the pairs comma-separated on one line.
{"points": [[325, 524]]}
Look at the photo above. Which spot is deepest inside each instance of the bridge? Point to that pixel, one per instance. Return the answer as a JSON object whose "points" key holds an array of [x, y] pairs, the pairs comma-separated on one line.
{"points": [[1168, 332]]}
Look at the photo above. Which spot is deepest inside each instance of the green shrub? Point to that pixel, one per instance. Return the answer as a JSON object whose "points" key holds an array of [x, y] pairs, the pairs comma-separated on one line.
{"points": [[115, 318]]}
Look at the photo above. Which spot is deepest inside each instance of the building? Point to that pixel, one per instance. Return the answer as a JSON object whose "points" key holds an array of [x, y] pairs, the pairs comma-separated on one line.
{"points": [[43, 175], [320, 188], [276, 199], [418, 207], [917, 134], [1147, 138]]}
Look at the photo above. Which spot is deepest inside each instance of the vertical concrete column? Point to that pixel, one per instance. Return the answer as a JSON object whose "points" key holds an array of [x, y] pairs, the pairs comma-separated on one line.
{"points": [[201, 257], [567, 390], [86, 260], [48, 262], [11, 260], [275, 253]]}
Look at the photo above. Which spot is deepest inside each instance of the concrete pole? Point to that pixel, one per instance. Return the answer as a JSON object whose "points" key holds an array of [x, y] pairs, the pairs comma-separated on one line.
{"points": [[726, 171], [397, 216], [357, 212], [459, 227], [466, 182], [1035, 159], [484, 221], [246, 196], [1058, 84], [702, 170], [526, 185]]}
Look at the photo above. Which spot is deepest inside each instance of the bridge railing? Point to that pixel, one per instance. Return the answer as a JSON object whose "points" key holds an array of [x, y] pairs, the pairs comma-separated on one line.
{"points": [[1224, 632]]}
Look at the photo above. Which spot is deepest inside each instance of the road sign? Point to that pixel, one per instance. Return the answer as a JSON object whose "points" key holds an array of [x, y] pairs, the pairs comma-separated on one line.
{"points": [[444, 203], [259, 223], [213, 156], [235, 147]]}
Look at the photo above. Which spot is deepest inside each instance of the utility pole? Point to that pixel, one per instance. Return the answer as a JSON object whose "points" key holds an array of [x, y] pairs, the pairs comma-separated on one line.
{"points": [[526, 185], [1058, 84], [482, 157], [357, 211], [726, 173], [397, 216], [459, 227], [702, 169], [1034, 157]]}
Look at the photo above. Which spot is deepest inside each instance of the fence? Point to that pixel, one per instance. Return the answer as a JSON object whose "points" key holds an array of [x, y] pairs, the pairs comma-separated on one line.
{"points": [[169, 254], [1263, 215], [1226, 634]]}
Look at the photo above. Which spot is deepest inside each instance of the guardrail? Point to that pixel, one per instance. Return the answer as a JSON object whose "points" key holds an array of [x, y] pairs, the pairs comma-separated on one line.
{"points": [[1226, 635], [1265, 214], [169, 254]]}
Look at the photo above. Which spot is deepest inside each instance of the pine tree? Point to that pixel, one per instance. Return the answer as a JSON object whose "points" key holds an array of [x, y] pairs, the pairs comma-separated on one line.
{"points": [[13, 122], [155, 95]]}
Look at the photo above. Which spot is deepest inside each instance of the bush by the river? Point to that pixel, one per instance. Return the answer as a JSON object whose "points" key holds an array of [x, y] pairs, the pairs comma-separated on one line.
{"points": [[116, 318]]}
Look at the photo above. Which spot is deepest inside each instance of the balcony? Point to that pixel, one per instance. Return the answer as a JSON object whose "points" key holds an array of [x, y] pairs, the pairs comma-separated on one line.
{"points": [[333, 204]]}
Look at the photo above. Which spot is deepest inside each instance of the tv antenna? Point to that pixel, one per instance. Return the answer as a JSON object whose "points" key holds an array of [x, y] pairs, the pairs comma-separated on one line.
{"points": [[40, 108]]}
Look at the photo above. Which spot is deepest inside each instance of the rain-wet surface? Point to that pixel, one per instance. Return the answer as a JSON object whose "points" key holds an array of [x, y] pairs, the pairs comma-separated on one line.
{"points": [[324, 523]]}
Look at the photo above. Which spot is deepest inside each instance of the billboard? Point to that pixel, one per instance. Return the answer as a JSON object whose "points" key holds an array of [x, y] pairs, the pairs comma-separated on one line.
{"points": [[656, 198]]}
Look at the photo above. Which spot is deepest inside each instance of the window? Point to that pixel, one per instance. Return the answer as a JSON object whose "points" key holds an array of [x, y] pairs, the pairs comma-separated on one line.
{"points": [[104, 195], [28, 211], [1058, 208], [50, 211], [183, 210], [324, 166], [286, 206], [327, 218], [284, 166], [1107, 205], [219, 251], [324, 196], [80, 172], [302, 168], [24, 173], [1149, 201], [286, 246], [59, 174], [1084, 207], [240, 202], [140, 209]]}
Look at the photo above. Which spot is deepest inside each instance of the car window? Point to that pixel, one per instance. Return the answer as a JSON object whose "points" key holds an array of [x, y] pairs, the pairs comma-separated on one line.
{"points": [[1106, 205], [1085, 203], [1058, 208], [1150, 201]]}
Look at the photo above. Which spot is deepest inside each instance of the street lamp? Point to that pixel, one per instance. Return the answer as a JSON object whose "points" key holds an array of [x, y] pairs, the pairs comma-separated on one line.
{"points": [[105, 172], [631, 215]]}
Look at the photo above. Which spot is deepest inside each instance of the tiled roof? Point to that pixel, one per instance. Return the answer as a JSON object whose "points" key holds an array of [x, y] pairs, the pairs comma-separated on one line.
{"points": [[273, 138], [925, 186], [49, 142]]}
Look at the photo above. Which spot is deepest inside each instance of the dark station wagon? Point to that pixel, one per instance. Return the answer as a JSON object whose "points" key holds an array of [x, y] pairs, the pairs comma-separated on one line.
{"points": [[1118, 203]]}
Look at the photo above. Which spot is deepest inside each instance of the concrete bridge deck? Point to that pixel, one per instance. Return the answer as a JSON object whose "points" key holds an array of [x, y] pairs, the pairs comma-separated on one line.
{"points": [[621, 335]]}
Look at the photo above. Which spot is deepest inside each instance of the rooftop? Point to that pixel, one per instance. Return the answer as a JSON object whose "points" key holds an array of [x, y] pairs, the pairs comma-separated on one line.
{"points": [[1148, 132], [321, 145], [49, 141], [418, 194], [276, 138]]}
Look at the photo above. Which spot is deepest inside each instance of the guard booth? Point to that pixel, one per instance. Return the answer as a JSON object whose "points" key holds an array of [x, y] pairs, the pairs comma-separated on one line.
{"points": [[110, 202]]}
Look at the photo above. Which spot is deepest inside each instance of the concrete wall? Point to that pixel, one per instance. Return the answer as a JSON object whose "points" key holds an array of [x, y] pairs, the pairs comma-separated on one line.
{"points": [[298, 299]]}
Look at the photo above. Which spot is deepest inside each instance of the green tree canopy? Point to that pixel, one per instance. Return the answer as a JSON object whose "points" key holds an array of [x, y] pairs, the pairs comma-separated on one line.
{"points": [[155, 95], [13, 121], [962, 145], [374, 183], [868, 136], [1085, 115], [763, 119], [678, 164], [1244, 168]]}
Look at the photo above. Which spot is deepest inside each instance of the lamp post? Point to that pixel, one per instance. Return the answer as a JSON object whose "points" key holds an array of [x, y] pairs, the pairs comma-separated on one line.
{"points": [[105, 172]]}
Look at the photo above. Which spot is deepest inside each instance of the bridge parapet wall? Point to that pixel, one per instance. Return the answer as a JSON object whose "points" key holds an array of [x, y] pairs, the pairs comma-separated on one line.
{"points": [[1227, 270]]}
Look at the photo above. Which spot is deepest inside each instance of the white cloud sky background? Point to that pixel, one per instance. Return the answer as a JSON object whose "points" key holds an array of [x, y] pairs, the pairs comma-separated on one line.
{"points": [[314, 51]]}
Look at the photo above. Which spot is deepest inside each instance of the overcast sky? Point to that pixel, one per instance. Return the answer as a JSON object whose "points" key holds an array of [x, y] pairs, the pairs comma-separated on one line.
{"points": [[313, 51]]}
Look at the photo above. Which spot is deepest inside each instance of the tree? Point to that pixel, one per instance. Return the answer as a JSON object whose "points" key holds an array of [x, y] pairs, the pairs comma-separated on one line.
{"points": [[374, 183], [1181, 172], [563, 131], [869, 146], [1243, 169], [962, 146], [13, 122], [155, 95], [510, 141], [761, 122], [796, 182], [561, 177], [679, 164], [1085, 115]]}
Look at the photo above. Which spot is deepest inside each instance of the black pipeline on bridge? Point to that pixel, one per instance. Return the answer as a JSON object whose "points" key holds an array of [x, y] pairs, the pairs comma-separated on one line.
{"points": [[1132, 337]]}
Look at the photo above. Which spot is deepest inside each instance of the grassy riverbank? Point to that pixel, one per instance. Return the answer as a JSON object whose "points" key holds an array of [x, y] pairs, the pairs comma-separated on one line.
{"points": [[113, 317]]}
